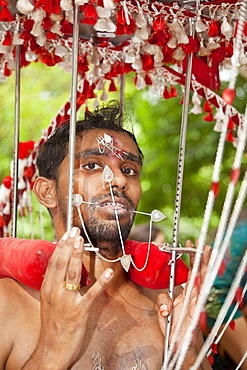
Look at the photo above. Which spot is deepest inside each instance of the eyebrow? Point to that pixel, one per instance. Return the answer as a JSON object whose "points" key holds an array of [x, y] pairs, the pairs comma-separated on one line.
{"points": [[95, 152]]}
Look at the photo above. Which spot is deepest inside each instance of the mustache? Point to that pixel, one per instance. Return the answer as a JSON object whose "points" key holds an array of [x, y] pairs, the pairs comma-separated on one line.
{"points": [[117, 194]]}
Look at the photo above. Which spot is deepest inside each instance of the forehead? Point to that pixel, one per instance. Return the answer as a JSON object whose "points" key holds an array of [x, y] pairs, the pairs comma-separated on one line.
{"points": [[121, 140]]}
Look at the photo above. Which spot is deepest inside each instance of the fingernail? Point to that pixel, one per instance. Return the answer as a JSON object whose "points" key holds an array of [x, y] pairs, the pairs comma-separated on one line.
{"points": [[164, 310], [65, 236], [108, 273], [77, 243], [191, 244], [73, 232]]}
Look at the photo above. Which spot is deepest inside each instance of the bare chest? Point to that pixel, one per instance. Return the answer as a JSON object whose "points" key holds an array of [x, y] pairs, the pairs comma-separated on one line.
{"points": [[119, 336], [122, 337]]}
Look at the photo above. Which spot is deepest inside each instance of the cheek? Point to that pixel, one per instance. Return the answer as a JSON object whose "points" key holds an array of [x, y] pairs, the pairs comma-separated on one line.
{"points": [[89, 187]]}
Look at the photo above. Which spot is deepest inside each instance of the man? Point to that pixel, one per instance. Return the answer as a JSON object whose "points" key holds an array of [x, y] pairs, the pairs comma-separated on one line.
{"points": [[114, 323]]}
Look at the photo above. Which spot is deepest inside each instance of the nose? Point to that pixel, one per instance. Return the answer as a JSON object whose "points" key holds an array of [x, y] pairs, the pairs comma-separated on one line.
{"points": [[119, 180]]}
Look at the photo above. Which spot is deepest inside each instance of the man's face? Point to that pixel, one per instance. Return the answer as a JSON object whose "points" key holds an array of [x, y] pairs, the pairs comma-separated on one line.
{"points": [[100, 217]]}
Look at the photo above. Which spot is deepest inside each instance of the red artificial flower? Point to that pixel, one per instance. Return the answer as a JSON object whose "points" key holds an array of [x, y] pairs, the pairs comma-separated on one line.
{"points": [[5, 15], [206, 107], [47, 23], [25, 148], [166, 94], [7, 39], [148, 80], [147, 62], [230, 136], [121, 16], [159, 23], [90, 11], [173, 92], [213, 30], [209, 117], [66, 27], [112, 87], [7, 182], [6, 71]]}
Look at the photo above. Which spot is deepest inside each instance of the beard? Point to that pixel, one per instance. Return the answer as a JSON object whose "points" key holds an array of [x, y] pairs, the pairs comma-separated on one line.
{"points": [[104, 234]]}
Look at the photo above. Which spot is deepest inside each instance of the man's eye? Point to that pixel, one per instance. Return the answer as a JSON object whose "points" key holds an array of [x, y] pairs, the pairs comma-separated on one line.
{"points": [[91, 166], [129, 171]]}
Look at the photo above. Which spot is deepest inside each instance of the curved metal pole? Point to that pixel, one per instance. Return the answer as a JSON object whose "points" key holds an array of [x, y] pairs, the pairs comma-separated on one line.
{"points": [[16, 142], [72, 130]]}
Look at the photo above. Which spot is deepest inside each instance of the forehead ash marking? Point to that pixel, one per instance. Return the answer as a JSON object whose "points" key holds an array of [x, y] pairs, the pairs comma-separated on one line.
{"points": [[106, 142]]}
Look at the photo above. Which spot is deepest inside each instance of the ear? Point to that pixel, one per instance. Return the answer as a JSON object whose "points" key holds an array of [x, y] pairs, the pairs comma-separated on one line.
{"points": [[45, 191]]}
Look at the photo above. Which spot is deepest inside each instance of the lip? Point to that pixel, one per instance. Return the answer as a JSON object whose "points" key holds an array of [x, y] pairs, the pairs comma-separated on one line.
{"points": [[120, 205]]}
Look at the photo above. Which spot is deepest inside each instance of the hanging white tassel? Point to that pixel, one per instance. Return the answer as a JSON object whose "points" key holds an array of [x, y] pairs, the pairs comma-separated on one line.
{"points": [[140, 82], [109, 4], [226, 28], [200, 26], [102, 12], [66, 5], [24, 6], [141, 20]]}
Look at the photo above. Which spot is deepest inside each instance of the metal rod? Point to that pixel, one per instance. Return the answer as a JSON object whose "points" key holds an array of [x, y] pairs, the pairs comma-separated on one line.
{"points": [[16, 142], [122, 90], [73, 110], [181, 156]]}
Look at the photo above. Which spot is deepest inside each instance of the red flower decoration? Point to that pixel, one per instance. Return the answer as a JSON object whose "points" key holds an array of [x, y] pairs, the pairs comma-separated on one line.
{"points": [[173, 91], [121, 16], [148, 80], [7, 182], [147, 62], [206, 107], [66, 27], [166, 94], [5, 15], [159, 23], [25, 149], [213, 30], [112, 87], [90, 11], [8, 39], [230, 136]]}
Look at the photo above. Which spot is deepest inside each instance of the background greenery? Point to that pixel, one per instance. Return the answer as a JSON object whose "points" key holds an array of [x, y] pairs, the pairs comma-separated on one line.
{"points": [[44, 90]]}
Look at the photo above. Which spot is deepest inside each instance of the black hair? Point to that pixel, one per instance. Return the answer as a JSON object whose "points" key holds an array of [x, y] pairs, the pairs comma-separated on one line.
{"points": [[55, 149]]}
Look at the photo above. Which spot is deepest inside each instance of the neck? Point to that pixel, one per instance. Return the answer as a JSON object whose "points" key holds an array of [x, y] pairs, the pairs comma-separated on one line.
{"points": [[96, 266]]}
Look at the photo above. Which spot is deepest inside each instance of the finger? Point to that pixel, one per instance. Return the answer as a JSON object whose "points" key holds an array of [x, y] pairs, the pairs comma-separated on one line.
{"points": [[59, 261], [205, 261], [73, 275], [165, 305], [189, 244], [97, 288]]}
